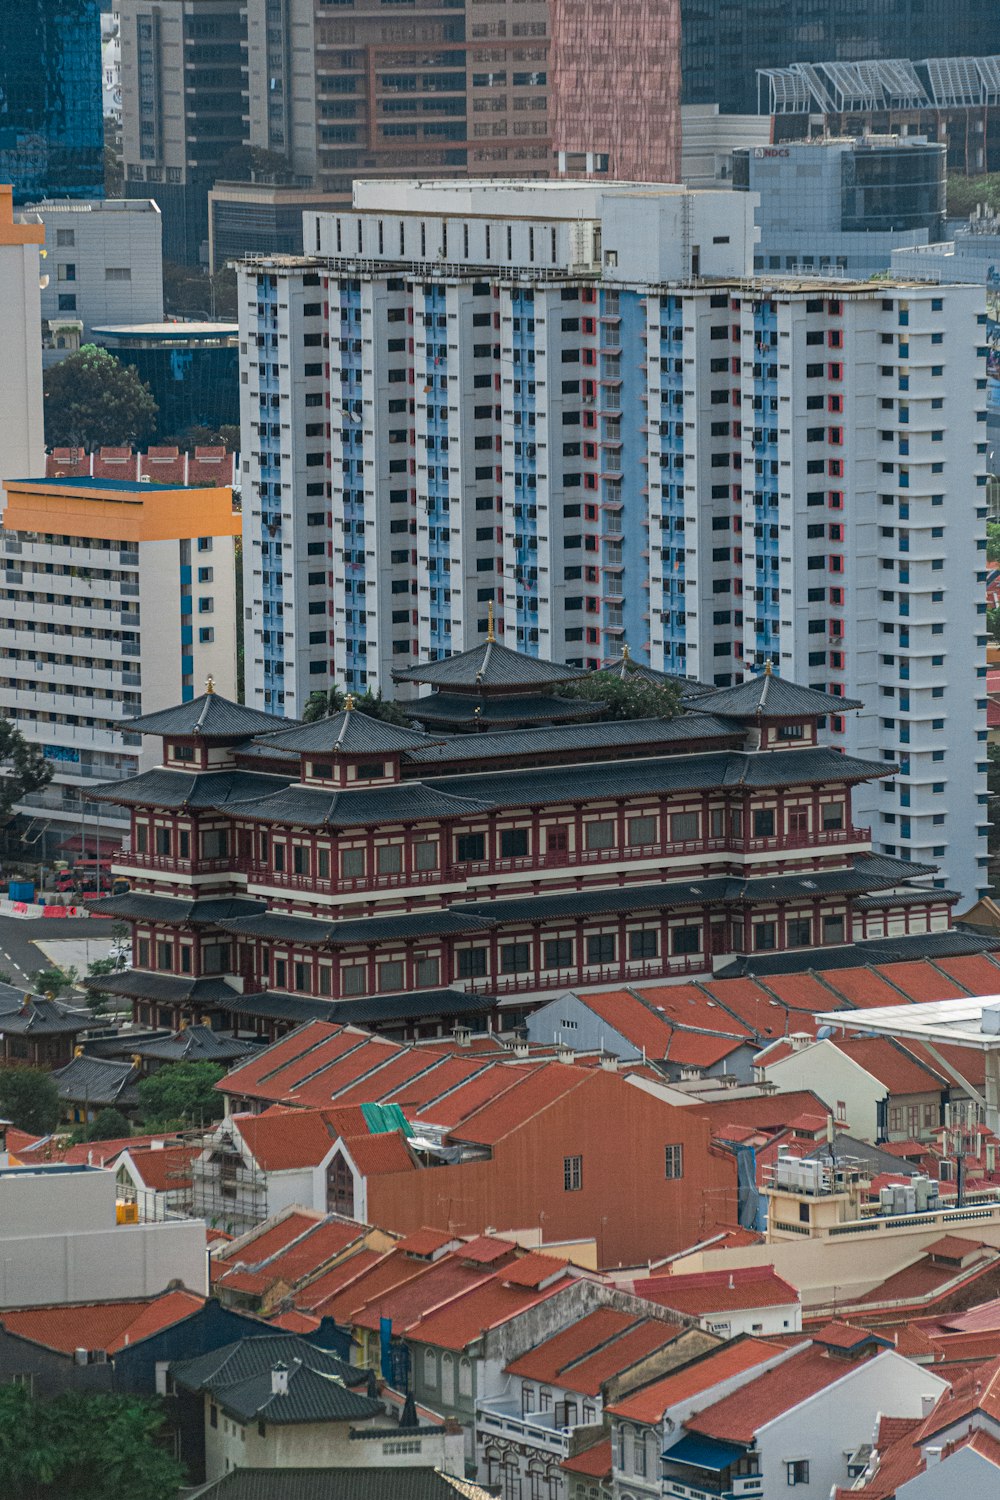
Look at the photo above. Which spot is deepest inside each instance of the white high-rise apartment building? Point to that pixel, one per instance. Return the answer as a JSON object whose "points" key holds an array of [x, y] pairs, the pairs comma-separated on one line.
{"points": [[572, 401], [22, 438]]}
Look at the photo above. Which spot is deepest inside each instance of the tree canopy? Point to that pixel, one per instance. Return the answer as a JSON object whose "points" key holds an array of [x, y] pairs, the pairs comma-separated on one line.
{"points": [[79, 1447], [181, 1094], [92, 399], [631, 697], [326, 701], [23, 766], [107, 1125], [29, 1099]]}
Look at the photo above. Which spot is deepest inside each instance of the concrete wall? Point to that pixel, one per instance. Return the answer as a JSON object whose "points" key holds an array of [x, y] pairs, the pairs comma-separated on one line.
{"points": [[835, 1078], [22, 443]]}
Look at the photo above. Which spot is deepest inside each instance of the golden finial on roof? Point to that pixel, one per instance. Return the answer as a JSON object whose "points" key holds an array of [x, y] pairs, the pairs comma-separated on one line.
{"points": [[768, 667], [210, 684], [626, 653], [349, 702], [489, 623]]}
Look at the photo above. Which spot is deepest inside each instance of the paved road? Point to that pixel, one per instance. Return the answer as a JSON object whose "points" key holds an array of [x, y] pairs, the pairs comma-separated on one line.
{"points": [[20, 957]]}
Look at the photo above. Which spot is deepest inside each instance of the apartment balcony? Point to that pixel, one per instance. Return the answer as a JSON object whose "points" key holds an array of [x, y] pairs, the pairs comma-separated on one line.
{"points": [[690, 1488], [533, 1429]]}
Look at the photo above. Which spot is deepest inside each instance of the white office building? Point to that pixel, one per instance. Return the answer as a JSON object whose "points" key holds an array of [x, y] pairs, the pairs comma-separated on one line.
{"points": [[572, 402], [104, 265]]}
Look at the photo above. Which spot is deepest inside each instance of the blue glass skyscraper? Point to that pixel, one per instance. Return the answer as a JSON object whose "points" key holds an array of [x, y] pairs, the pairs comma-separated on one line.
{"points": [[51, 118]]}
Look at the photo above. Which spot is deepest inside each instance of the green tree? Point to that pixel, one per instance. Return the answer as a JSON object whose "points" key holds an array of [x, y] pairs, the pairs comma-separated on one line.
{"points": [[92, 399], [107, 1125], [181, 1094], [322, 703], [79, 1447], [23, 767], [30, 1100], [993, 623], [631, 697], [964, 193], [993, 541], [54, 981]]}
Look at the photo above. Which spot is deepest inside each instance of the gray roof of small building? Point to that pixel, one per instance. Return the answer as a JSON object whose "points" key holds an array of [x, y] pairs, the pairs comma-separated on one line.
{"points": [[848, 1147], [192, 1044], [612, 735], [279, 927], [349, 732], [238, 1377], [170, 989], [275, 1005], [398, 802], [13, 997], [768, 696], [138, 906], [40, 1017], [209, 717], [490, 665], [164, 788], [341, 1484], [97, 1080]]}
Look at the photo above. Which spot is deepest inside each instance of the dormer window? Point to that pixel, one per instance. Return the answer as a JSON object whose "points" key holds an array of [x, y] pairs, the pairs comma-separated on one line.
{"points": [[370, 770]]}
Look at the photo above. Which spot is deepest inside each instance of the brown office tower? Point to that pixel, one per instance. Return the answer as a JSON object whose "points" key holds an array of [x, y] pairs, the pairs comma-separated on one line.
{"points": [[614, 88], [369, 90]]}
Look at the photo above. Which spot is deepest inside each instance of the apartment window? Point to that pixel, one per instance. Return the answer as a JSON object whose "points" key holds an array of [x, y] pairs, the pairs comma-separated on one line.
{"points": [[572, 1173], [798, 1471], [352, 862], [644, 944], [683, 826], [65, 238], [799, 932], [513, 842], [601, 948], [833, 929], [641, 830], [354, 979], [390, 976], [764, 936], [470, 846], [600, 835], [428, 973], [684, 940], [763, 823], [425, 854], [389, 858], [515, 958], [673, 1161], [472, 963], [164, 955], [558, 953]]}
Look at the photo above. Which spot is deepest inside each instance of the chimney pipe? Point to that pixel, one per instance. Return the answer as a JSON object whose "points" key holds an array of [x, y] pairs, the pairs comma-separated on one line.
{"points": [[279, 1380]]}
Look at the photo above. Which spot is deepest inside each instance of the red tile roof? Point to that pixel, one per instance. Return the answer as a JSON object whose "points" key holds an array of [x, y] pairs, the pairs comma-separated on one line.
{"points": [[531, 1096], [718, 1291], [380, 1155], [285, 1140], [342, 1292], [100, 1325], [434, 1286], [425, 1241], [272, 1239], [316, 1247], [752, 1005], [921, 981], [533, 1270], [837, 1335], [320, 1292], [976, 1390], [487, 1249], [985, 1444], [729, 1360], [738, 1418], [295, 1322], [594, 1462], [546, 1360], [892, 1066], [766, 1111], [864, 988], [165, 1171], [589, 1375], [898, 1459], [255, 1078], [954, 1247], [976, 971], [466, 1318], [803, 992]]}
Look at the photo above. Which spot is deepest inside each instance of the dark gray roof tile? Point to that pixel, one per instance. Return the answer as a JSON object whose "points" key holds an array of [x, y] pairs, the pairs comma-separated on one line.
{"points": [[138, 906], [163, 788], [509, 708], [768, 696], [97, 1080], [349, 732], [209, 717], [368, 1011], [566, 738], [951, 944], [341, 1484], [400, 802], [321, 1387], [409, 924], [490, 666]]}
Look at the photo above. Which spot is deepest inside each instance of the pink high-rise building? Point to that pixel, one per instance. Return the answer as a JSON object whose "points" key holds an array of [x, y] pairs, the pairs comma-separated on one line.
{"points": [[614, 88]]}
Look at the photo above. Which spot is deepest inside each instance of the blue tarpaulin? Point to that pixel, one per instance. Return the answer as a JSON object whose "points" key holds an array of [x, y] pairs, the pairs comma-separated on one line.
{"points": [[703, 1452]]}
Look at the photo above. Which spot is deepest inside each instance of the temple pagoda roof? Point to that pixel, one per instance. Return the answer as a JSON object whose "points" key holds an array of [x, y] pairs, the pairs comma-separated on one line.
{"points": [[768, 696], [349, 732], [209, 717], [491, 667]]}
